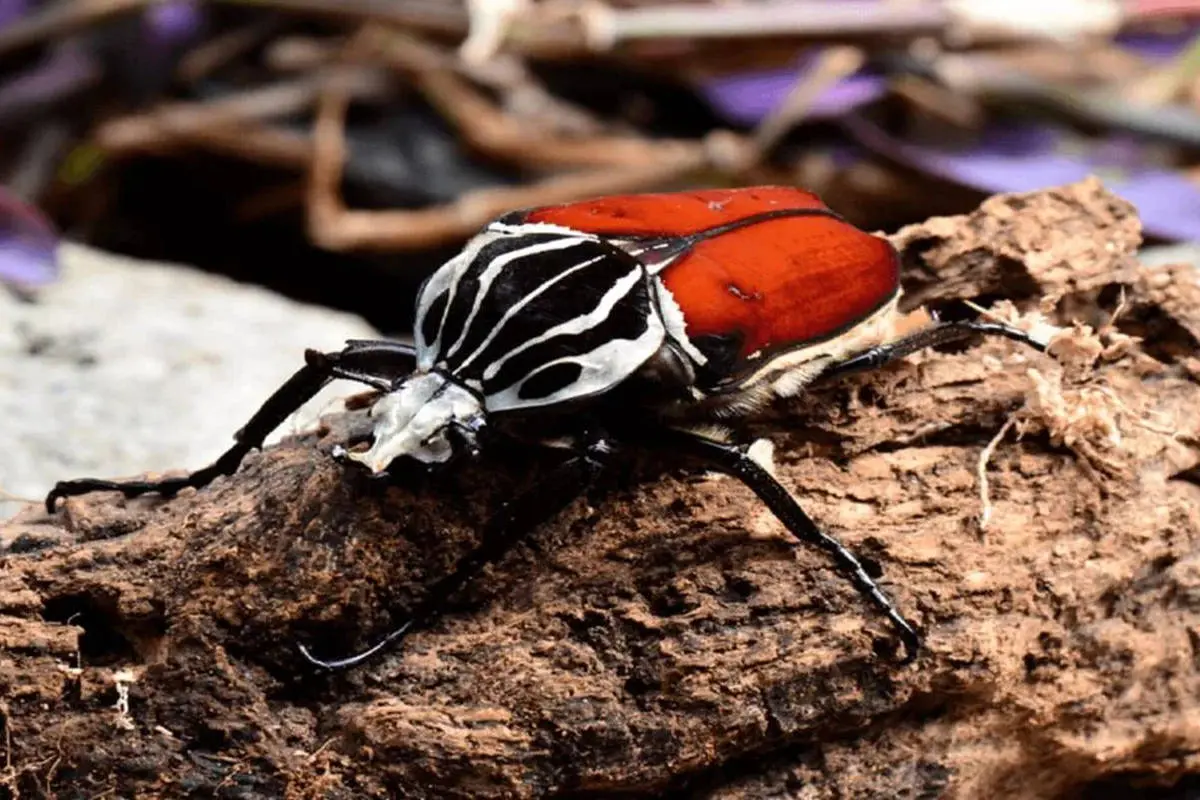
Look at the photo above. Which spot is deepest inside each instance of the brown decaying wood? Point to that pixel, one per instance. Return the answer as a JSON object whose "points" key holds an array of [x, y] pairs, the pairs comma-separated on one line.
{"points": [[671, 632]]}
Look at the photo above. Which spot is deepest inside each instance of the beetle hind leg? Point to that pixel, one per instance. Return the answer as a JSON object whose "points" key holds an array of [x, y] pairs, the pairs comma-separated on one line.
{"points": [[740, 462], [940, 333], [375, 363]]}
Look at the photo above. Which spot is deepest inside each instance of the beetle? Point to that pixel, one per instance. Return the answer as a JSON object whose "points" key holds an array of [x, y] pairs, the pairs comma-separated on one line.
{"points": [[648, 320]]}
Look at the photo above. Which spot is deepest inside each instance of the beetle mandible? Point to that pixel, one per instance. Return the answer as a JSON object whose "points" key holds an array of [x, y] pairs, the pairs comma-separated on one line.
{"points": [[657, 320]]}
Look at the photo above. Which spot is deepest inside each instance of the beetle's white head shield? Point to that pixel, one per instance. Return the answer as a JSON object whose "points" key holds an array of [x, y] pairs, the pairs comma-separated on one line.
{"points": [[416, 420]]}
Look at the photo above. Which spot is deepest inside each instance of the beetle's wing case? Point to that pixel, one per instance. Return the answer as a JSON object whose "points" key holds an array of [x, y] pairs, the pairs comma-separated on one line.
{"points": [[538, 315], [768, 279], [675, 214]]}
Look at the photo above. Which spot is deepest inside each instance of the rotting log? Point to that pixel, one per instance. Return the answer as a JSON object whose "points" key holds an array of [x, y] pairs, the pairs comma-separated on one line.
{"points": [[665, 635]]}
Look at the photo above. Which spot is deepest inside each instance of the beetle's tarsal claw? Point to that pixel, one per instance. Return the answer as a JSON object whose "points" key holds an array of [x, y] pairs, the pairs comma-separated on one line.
{"points": [[316, 359], [910, 639]]}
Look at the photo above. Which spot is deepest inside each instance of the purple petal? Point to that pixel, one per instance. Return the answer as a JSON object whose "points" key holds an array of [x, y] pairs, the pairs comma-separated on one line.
{"points": [[28, 244], [11, 10], [1022, 158], [1159, 46], [171, 23], [747, 98]]}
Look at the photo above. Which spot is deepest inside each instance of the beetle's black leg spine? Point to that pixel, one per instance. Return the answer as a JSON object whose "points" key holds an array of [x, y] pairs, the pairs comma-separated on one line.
{"points": [[733, 460], [371, 362], [941, 333], [506, 528]]}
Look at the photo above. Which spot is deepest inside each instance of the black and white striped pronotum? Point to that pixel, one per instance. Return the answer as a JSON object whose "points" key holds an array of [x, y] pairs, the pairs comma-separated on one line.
{"points": [[645, 320]]}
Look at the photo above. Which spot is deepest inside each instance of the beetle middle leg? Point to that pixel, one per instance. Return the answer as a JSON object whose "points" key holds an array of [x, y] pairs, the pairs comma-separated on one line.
{"points": [[373, 362], [512, 523], [734, 460]]}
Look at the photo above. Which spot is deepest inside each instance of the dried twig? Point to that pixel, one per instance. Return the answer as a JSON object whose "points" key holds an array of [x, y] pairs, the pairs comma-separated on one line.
{"points": [[486, 129], [331, 225], [298, 54], [985, 499], [606, 28], [260, 144], [40, 157], [490, 131], [398, 49], [832, 65], [990, 79], [54, 21], [444, 17], [271, 200], [64, 76], [207, 58], [197, 121]]}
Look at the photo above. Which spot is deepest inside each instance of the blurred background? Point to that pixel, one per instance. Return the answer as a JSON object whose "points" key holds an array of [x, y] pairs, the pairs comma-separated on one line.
{"points": [[192, 192]]}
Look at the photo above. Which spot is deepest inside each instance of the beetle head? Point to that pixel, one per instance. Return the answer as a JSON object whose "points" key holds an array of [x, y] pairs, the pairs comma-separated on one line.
{"points": [[427, 417]]}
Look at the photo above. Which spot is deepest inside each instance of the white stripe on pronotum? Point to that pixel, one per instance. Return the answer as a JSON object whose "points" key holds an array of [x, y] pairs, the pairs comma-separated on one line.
{"points": [[495, 268], [526, 300], [579, 324], [445, 279]]}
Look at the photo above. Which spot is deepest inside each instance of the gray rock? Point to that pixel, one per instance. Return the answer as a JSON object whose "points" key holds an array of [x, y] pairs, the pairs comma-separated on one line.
{"points": [[1180, 253], [125, 367]]}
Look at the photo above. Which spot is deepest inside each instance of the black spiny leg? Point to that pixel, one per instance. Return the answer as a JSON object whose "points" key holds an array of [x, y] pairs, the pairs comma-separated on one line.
{"points": [[941, 333], [511, 524], [375, 363], [733, 460]]}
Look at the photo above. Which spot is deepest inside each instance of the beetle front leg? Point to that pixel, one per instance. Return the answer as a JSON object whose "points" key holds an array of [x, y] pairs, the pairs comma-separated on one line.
{"points": [[734, 460], [940, 333], [375, 363], [510, 525]]}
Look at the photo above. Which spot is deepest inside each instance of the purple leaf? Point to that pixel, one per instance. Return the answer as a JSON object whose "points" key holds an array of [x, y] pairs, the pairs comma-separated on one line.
{"points": [[747, 98], [28, 244], [1022, 157]]}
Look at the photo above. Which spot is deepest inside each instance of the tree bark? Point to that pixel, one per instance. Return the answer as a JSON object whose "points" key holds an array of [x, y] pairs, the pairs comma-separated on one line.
{"points": [[665, 635]]}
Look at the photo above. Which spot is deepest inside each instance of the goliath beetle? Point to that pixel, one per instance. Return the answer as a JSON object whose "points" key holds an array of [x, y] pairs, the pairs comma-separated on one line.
{"points": [[656, 320]]}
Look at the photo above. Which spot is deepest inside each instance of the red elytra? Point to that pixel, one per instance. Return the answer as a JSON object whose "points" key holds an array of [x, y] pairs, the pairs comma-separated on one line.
{"points": [[777, 280]]}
